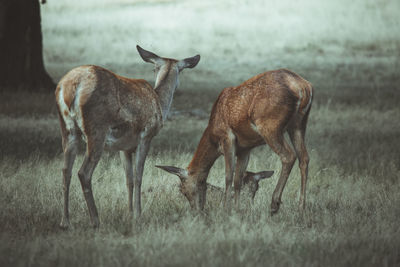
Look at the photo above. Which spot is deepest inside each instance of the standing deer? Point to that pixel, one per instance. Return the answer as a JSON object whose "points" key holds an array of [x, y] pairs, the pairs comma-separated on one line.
{"points": [[108, 110], [256, 112]]}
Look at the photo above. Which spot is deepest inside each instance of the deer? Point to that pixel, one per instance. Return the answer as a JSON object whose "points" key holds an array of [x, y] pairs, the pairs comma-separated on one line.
{"points": [[110, 111], [250, 183], [259, 111]]}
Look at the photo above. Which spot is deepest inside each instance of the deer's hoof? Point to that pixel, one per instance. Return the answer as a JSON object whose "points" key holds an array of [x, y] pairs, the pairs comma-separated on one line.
{"points": [[64, 224], [275, 207], [302, 208], [96, 224]]}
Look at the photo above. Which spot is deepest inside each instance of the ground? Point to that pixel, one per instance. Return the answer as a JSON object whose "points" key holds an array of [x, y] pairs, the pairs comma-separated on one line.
{"points": [[349, 51]]}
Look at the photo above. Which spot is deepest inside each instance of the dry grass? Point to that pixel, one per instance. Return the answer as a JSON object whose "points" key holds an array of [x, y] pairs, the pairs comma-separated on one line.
{"points": [[349, 51]]}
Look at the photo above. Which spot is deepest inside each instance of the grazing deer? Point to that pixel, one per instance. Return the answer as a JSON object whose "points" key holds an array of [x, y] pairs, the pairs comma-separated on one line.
{"points": [[216, 194], [256, 112], [250, 182], [108, 110]]}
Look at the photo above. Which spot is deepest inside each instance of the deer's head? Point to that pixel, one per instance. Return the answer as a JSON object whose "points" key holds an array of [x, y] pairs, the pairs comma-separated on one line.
{"points": [[195, 192], [164, 66], [250, 181], [188, 187]]}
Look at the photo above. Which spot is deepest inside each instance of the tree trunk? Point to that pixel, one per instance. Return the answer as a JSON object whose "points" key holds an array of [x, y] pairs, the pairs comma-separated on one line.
{"points": [[21, 55]]}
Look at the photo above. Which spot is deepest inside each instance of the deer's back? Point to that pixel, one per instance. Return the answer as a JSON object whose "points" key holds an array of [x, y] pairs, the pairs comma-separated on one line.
{"points": [[106, 98], [269, 95]]}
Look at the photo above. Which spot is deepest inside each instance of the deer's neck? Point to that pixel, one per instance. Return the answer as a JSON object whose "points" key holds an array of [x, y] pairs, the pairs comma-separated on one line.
{"points": [[204, 157], [166, 83]]}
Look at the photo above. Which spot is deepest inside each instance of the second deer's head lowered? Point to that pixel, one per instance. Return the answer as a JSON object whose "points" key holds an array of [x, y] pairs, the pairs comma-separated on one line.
{"points": [[250, 181]]}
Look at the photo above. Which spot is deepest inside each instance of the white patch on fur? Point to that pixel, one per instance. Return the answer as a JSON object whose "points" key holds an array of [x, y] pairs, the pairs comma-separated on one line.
{"points": [[68, 120], [254, 127], [71, 138], [76, 108], [300, 98], [110, 139], [257, 177], [74, 113], [231, 135], [171, 84], [309, 102], [160, 75]]}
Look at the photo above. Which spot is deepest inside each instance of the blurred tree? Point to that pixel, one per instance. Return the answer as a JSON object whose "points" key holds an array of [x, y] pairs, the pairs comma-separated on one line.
{"points": [[21, 55]]}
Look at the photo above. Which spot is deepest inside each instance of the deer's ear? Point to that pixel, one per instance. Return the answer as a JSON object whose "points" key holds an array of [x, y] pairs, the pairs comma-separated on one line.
{"points": [[262, 175], [181, 173], [148, 56], [189, 62]]}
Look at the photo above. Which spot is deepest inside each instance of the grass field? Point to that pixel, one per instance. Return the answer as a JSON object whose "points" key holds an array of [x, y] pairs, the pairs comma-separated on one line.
{"points": [[349, 51]]}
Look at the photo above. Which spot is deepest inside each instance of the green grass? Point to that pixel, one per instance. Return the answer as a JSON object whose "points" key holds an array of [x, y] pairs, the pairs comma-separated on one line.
{"points": [[348, 51], [351, 218]]}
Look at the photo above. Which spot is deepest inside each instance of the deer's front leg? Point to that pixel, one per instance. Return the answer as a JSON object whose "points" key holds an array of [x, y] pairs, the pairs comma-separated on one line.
{"points": [[141, 154], [241, 166], [126, 158], [229, 156]]}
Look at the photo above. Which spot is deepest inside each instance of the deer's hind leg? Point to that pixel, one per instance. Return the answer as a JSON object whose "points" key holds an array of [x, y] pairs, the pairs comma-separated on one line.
{"points": [[70, 151], [70, 143], [274, 136], [297, 131], [94, 148]]}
